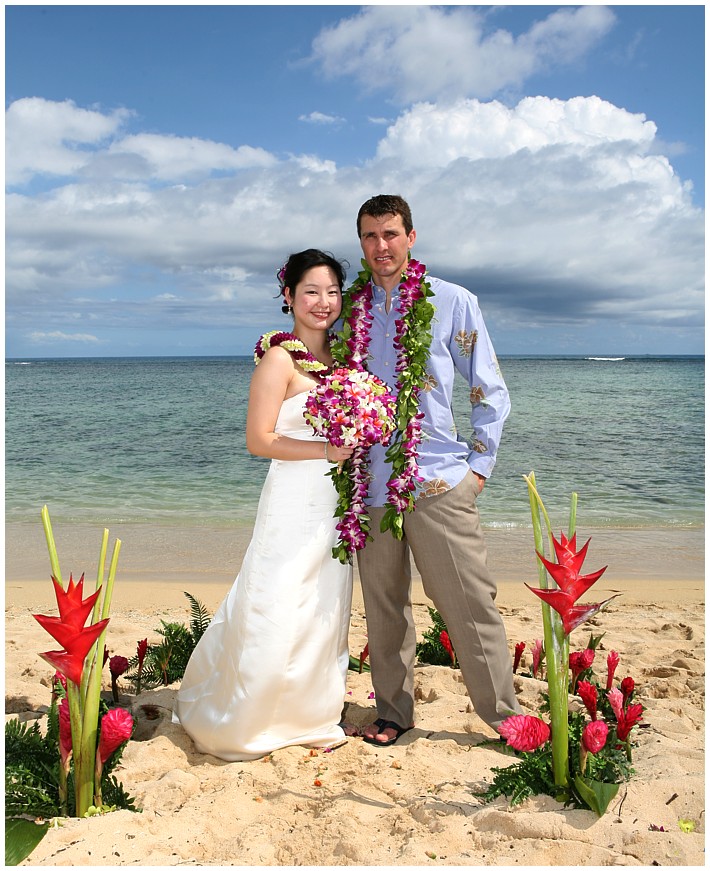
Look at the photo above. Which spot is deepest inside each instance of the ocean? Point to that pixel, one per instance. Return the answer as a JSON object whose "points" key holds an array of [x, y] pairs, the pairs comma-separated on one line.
{"points": [[161, 441]]}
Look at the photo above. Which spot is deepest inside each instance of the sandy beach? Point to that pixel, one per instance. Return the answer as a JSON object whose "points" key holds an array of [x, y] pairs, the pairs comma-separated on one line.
{"points": [[412, 804]]}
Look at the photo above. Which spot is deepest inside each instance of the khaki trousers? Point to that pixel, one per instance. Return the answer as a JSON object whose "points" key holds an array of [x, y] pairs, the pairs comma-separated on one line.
{"points": [[446, 540]]}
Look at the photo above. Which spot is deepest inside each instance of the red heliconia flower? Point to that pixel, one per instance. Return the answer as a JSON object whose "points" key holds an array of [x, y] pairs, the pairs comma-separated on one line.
{"points": [[68, 629], [118, 665], [627, 689], [65, 742], [519, 648], [628, 719], [70, 661], [612, 662], [142, 649], [571, 585], [594, 736], [73, 610], [447, 645], [525, 733], [536, 656], [116, 727], [579, 662], [588, 693]]}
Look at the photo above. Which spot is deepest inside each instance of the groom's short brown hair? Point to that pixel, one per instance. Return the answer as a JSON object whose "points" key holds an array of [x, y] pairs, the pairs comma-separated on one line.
{"points": [[386, 204]]}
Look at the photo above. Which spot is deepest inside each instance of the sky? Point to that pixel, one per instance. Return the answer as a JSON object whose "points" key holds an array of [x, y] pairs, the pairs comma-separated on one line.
{"points": [[162, 161]]}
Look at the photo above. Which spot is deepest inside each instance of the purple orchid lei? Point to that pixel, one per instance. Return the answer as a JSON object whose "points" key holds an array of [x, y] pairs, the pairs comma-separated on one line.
{"points": [[412, 341]]}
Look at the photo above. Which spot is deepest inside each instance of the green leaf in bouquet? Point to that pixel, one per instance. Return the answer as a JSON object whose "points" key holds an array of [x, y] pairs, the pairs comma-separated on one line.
{"points": [[595, 793], [21, 837]]}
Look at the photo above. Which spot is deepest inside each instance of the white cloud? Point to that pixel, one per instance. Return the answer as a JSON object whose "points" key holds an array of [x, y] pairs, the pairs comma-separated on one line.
{"points": [[433, 135], [167, 158], [42, 136], [321, 118], [552, 210], [421, 52], [58, 336]]}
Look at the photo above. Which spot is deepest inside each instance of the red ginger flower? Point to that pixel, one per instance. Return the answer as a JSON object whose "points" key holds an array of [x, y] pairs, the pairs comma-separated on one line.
{"points": [[627, 688], [116, 727], [594, 736], [525, 733], [118, 665], [588, 693], [142, 649], [519, 648], [579, 662], [65, 740], [612, 662], [447, 645], [565, 573], [628, 719]]}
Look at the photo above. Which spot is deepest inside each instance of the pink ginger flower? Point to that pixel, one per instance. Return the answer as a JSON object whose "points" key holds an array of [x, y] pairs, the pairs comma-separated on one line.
{"points": [[616, 700], [524, 733], [116, 727], [519, 648], [588, 693], [536, 656], [594, 736]]}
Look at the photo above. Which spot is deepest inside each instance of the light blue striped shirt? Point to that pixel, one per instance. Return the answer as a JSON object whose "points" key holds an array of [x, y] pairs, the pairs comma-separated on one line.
{"points": [[460, 342]]}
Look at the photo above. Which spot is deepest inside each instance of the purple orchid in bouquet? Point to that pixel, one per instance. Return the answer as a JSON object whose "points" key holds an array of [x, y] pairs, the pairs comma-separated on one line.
{"points": [[590, 777]]}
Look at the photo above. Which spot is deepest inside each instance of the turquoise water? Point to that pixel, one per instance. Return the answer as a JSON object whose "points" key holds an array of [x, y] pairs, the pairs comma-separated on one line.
{"points": [[161, 440]]}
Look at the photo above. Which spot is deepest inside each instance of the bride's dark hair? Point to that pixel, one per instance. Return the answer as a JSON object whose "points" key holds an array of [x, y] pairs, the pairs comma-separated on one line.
{"points": [[298, 264]]}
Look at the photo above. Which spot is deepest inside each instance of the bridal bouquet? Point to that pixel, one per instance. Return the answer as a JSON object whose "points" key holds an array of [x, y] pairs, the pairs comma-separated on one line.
{"points": [[351, 408]]}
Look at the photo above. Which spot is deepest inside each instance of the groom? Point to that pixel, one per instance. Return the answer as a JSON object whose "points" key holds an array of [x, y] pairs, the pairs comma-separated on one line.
{"points": [[443, 532]]}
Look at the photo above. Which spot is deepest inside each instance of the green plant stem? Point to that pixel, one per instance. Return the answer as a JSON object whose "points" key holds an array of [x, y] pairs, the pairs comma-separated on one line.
{"points": [[85, 789], [49, 535], [556, 654]]}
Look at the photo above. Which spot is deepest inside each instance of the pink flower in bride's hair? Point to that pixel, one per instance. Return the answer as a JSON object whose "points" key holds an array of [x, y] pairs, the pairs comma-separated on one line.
{"points": [[594, 736], [65, 745], [523, 732], [536, 656], [588, 693], [612, 662], [447, 645], [627, 689], [519, 647], [116, 727]]}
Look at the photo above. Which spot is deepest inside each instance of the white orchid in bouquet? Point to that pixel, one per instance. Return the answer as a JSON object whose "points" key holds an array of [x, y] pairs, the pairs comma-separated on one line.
{"points": [[581, 756]]}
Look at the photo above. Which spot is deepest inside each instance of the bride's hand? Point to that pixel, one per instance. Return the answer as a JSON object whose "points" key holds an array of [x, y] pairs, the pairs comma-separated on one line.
{"points": [[338, 455]]}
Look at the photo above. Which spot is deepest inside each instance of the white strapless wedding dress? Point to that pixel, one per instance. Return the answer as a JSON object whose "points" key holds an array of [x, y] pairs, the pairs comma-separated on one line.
{"points": [[271, 668]]}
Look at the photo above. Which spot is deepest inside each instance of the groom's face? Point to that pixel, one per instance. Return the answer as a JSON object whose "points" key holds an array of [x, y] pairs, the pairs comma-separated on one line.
{"points": [[385, 246]]}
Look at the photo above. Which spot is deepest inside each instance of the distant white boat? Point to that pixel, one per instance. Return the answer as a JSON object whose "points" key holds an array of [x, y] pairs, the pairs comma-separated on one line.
{"points": [[609, 359]]}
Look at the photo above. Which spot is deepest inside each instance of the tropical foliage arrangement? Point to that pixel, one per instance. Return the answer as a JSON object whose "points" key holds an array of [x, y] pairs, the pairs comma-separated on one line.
{"points": [[582, 755], [67, 771], [435, 648]]}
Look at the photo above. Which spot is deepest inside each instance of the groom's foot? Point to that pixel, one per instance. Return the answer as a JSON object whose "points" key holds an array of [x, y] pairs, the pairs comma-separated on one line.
{"points": [[350, 730], [383, 732]]}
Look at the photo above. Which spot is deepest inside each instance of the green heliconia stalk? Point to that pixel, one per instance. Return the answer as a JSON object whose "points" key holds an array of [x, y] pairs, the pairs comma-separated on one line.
{"points": [[556, 650]]}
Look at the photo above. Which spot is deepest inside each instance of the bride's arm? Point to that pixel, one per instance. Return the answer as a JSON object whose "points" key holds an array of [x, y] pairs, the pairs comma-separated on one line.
{"points": [[269, 386]]}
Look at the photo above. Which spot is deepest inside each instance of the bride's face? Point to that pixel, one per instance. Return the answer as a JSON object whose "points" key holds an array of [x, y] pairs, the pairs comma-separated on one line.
{"points": [[317, 300]]}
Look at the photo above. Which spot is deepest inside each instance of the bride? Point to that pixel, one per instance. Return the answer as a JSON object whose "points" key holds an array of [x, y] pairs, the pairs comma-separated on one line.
{"points": [[270, 670]]}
